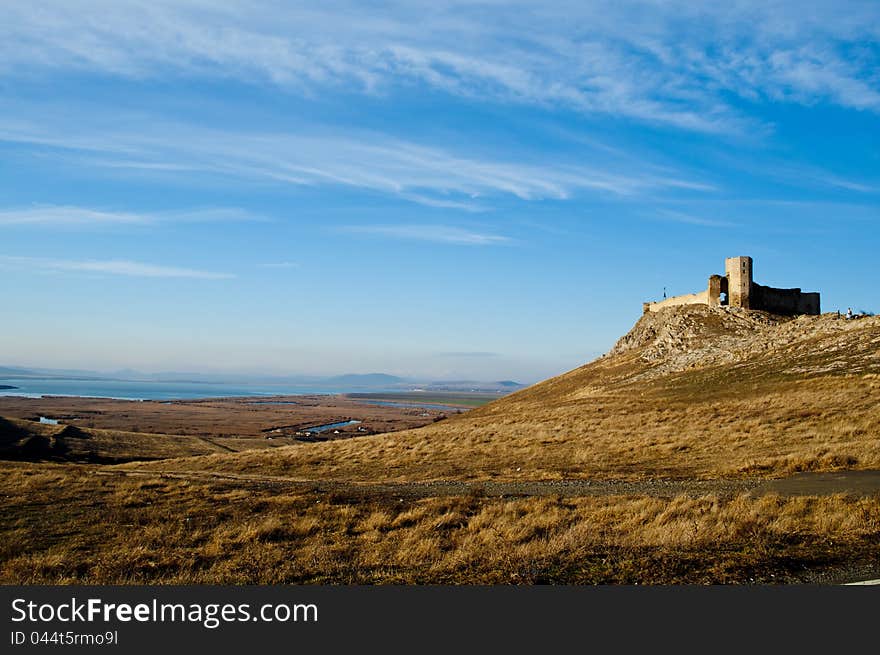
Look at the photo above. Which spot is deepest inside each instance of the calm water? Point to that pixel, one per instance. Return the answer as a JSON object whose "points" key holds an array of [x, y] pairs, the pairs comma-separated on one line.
{"points": [[136, 390], [331, 426]]}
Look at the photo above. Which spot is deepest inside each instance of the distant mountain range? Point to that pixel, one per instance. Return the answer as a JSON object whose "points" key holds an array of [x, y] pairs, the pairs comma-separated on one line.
{"points": [[366, 380], [350, 380]]}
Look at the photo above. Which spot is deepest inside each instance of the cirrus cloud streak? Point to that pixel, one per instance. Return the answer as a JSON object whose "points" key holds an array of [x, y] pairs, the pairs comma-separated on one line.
{"points": [[674, 63], [109, 267]]}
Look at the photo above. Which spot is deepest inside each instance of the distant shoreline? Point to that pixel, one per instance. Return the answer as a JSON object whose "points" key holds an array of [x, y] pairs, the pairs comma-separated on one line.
{"points": [[171, 391]]}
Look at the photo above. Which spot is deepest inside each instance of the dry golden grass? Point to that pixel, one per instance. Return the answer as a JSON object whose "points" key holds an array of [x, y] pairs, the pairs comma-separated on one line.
{"points": [[120, 530], [20, 439], [769, 429], [801, 398]]}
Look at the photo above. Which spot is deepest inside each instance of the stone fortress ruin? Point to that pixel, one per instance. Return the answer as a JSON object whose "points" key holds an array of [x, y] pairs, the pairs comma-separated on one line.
{"points": [[737, 289]]}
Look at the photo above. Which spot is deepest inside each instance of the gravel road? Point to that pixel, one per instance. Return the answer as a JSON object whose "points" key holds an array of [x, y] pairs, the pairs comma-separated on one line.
{"points": [[864, 483]]}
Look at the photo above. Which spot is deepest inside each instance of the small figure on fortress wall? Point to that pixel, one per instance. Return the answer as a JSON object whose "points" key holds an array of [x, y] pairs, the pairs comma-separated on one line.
{"points": [[849, 313]]}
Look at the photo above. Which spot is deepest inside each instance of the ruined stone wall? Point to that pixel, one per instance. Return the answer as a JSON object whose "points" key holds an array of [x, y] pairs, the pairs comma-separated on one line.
{"points": [[810, 303], [717, 286], [784, 301], [711, 296], [701, 298]]}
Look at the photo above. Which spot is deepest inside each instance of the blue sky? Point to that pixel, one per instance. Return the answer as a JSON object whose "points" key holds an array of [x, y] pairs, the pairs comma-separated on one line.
{"points": [[448, 189]]}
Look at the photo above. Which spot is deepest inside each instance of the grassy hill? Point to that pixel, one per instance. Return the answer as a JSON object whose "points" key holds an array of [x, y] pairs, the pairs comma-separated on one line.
{"points": [[27, 440], [689, 392], [648, 465]]}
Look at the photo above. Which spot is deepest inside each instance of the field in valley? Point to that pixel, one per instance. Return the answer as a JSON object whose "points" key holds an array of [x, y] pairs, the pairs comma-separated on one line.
{"points": [[652, 464]]}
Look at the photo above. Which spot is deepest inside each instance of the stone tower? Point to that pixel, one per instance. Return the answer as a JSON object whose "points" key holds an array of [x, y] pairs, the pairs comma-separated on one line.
{"points": [[739, 281]]}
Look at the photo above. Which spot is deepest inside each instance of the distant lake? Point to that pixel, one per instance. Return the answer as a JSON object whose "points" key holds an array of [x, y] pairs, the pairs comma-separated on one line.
{"points": [[331, 426], [140, 390]]}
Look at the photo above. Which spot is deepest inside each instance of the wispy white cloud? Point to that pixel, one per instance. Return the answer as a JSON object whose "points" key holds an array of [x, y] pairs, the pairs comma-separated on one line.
{"points": [[805, 175], [444, 234], [74, 216], [849, 185], [807, 73], [673, 63], [442, 203], [427, 175], [691, 219], [108, 267], [56, 215]]}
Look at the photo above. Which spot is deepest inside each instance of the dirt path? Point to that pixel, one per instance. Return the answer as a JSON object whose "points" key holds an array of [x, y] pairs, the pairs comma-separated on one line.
{"points": [[860, 483], [864, 483]]}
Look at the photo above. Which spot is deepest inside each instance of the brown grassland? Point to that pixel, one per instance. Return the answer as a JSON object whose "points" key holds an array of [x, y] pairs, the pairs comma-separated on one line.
{"points": [[72, 526], [237, 423], [720, 399]]}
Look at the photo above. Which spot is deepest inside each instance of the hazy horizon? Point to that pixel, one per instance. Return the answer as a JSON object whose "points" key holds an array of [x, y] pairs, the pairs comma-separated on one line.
{"points": [[448, 190], [229, 374]]}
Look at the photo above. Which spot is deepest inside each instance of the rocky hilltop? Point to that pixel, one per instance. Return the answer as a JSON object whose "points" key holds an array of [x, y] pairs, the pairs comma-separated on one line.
{"points": [[680, 338]]}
